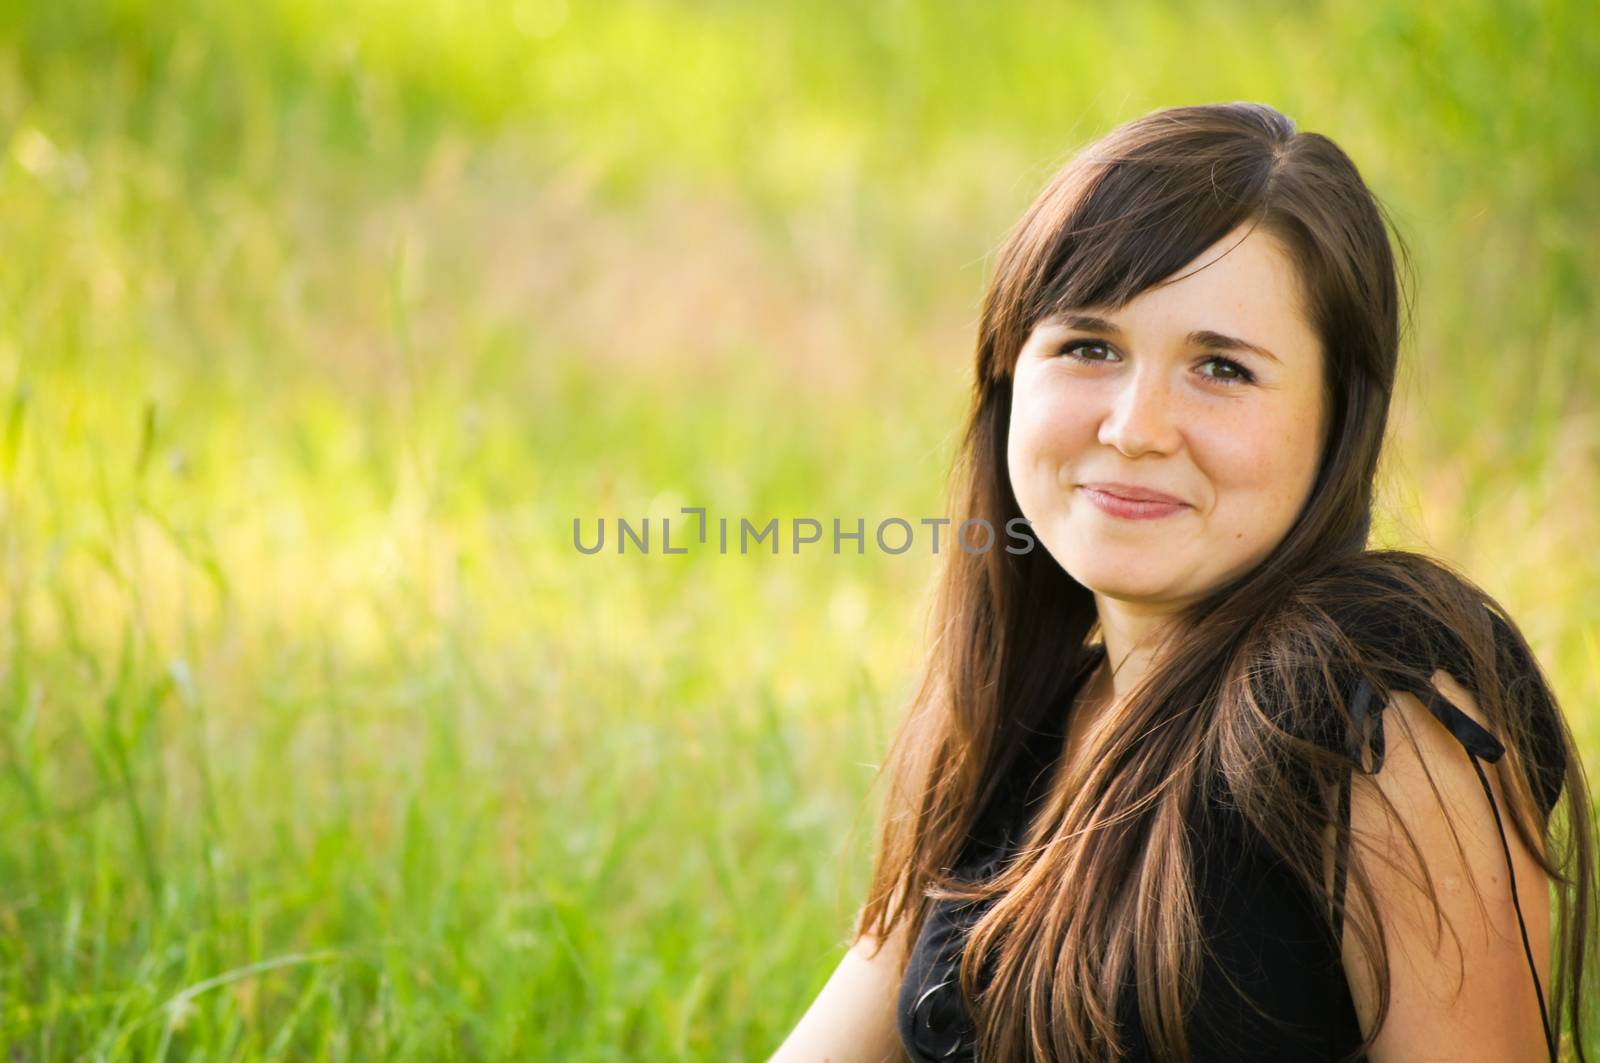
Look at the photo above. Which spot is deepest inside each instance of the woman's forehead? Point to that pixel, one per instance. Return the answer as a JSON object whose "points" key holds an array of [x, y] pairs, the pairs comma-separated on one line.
{"points": [[1237, 285]]}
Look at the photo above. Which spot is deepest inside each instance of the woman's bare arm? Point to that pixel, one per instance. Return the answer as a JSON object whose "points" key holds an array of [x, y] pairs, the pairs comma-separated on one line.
{"points": [[852, 1020], [1465, 1000]]}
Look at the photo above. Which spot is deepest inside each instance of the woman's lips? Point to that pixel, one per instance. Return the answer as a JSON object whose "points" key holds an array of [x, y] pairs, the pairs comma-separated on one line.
{"points": [[1128, 508]]}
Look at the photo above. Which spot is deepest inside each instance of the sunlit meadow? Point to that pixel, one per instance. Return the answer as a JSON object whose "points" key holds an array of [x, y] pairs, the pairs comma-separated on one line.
{"points": [[319, 325]]}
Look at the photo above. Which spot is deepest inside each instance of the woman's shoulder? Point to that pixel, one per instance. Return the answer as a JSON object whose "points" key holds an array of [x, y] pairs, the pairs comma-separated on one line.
{"points": [[1357, 635]]}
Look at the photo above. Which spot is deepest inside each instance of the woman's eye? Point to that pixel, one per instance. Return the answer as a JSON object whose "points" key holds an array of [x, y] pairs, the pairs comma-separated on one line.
{"points": [[1075, 349], [1228, 372], [1235, 373]]}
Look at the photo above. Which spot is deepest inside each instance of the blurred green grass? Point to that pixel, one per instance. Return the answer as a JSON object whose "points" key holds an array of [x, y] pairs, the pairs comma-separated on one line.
{"points": [[320, 323]]}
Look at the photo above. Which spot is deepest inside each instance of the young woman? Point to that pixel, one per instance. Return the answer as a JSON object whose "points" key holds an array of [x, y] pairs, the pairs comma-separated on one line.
{"points": [[1201, 776]]}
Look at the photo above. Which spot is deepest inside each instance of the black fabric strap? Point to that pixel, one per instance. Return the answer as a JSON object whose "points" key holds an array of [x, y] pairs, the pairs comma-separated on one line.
{"points": [[1480, 746], [1340, 861], [1527, 949], [1479, 743]]}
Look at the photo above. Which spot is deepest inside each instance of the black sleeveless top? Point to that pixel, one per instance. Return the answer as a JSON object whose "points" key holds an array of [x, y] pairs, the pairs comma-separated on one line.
{"points": [[1272, 984]]}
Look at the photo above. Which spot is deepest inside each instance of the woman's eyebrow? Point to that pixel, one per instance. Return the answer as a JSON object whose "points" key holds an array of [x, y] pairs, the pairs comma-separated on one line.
{"points": [[1207, 338], [1217, 341], [1089, 323]]}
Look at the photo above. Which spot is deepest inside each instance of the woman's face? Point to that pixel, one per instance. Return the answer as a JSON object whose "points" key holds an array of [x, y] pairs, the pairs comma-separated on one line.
{"points": [[1207, 390]]}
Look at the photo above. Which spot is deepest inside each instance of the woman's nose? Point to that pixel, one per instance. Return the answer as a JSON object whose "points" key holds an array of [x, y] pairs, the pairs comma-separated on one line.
{"points": [[1141, 418]]}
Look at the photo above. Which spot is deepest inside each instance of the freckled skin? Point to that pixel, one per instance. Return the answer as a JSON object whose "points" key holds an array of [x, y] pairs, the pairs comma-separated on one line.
{"points": [[1154, 410]]}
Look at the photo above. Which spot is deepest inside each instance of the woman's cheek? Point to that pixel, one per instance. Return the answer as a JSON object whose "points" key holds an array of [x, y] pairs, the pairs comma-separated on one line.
{"points": [[1045, 457]]}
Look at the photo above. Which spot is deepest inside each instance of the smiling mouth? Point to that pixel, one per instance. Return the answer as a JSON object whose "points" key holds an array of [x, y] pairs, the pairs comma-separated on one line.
{"points": [[1129, 508], [1132, 492]]}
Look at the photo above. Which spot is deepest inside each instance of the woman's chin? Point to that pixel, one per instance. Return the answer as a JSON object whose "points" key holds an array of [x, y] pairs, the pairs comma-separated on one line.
{"points": [[1127, 586]]}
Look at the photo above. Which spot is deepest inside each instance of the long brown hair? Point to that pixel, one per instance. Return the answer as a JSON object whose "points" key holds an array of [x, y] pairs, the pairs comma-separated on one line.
{"points": [[1102, 884]]}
